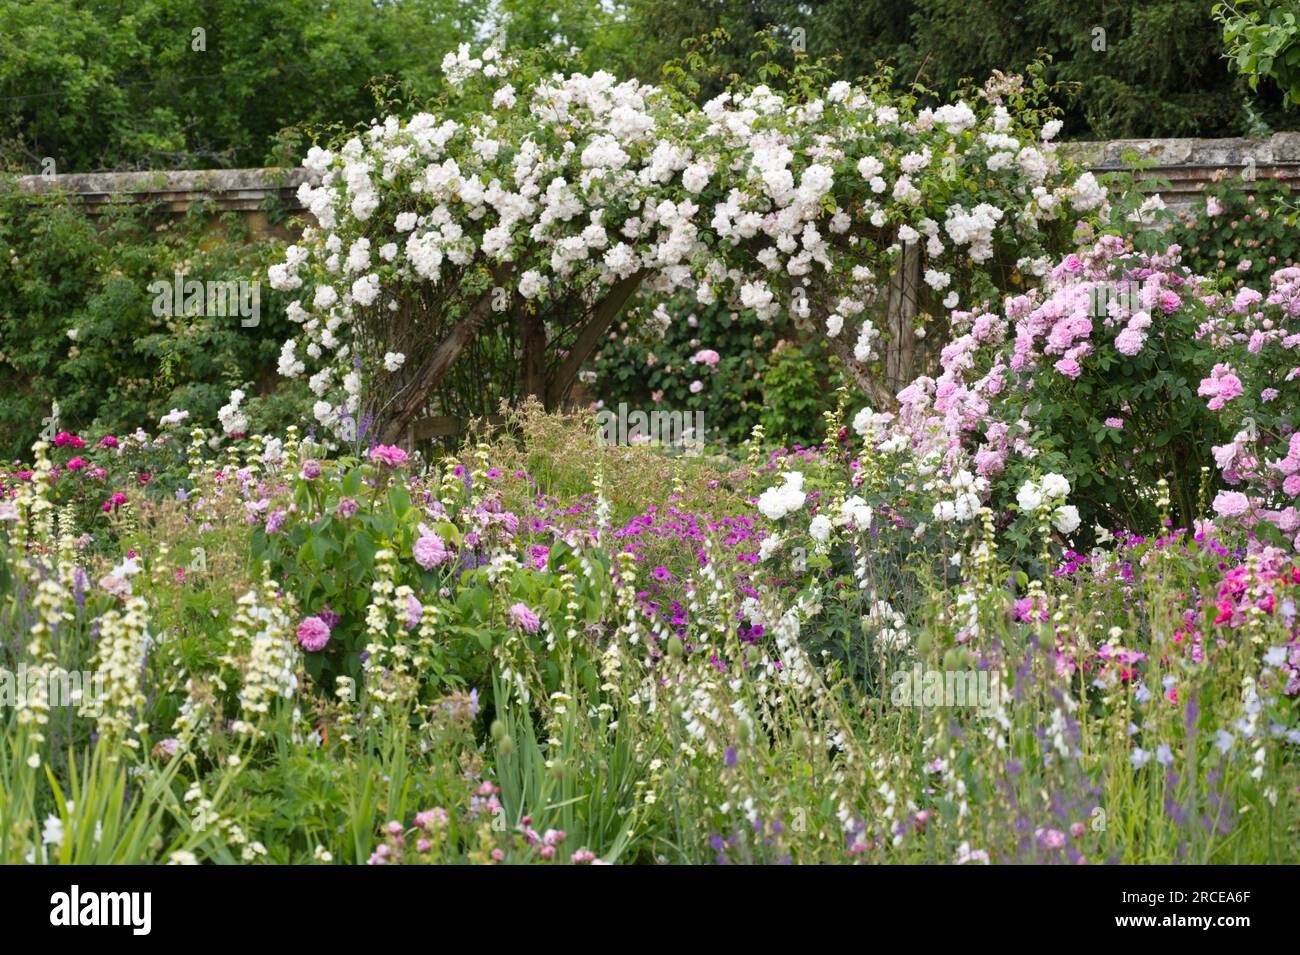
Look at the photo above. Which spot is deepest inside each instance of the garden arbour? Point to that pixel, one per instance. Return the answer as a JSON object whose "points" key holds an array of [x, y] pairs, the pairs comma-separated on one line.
{"points": [[486, 253]]}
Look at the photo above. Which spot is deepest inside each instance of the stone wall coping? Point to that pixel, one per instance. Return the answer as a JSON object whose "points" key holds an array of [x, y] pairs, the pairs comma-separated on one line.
{"points": [[1188, 164]]}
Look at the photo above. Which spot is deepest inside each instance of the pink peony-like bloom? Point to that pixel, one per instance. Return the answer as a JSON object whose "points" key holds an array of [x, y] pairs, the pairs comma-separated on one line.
{"points": [[524, 619], [388, 454], [108, 441], [65, 439], [1231, 504], [1115, 422], [706, 356], [696, 386], [313, 634], [1129, 342], [430, 550], [1221, 387], [76, 464], [1068, 367]]}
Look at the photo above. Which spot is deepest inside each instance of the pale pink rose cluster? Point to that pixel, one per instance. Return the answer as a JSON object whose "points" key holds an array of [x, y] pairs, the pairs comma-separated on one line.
{"points": [[1221, 387]]}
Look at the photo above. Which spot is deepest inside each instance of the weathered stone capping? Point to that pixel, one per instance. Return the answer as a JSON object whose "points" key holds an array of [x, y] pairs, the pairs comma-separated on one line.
{"points": [[1187, 165], [248, 192]]}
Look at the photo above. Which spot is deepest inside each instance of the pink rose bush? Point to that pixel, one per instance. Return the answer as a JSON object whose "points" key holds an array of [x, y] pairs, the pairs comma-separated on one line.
{"points": [[1098, 375]]}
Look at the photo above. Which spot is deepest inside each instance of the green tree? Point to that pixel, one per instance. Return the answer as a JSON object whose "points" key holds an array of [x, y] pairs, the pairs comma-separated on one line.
{"points": [[204, 83]]}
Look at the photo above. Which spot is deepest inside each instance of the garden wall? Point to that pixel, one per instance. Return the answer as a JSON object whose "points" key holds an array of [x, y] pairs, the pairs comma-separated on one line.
{"points": [[259, 194]]}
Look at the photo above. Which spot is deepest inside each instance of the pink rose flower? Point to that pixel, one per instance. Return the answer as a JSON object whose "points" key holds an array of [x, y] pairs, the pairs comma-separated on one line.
{"points": [[388, 454], [313, 634], [430, 550], [706, 356], [1231, 504], [1068, 367]]}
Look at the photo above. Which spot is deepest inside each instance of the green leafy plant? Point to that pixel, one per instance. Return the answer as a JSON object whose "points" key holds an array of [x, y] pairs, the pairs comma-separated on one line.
{"points": [[1263, 40]]}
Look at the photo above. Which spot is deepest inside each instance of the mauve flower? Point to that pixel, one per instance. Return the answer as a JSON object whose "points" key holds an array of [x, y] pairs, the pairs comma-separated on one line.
{"points": [[1050, 838], [413, 610], [311, 469], [524, 619], [313, 634], [116, 585], [346, 507], [388, 454]]}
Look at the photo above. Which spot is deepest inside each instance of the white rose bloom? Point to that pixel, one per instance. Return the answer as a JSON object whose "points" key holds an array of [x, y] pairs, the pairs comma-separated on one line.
{"points": [[776, 502], [1066, 519], [945, 511], [1055, 486], [820, 528], [1029, 497]]}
